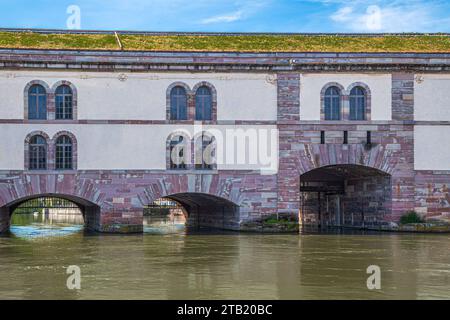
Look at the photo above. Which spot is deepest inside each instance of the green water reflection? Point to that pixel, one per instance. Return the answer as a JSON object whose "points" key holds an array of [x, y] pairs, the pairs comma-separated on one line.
{"points": [[206, 265]]}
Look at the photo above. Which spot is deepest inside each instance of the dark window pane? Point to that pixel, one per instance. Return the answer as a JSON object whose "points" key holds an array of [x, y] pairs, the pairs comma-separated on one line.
{"points": [[42, 107], [332, 104], [369, 137], [177, 153], [63, 101], [32, 107], [203, 104], [37, 153], [357, 104], [178, 104], [206, 155], [64, 153], [37, 103]]}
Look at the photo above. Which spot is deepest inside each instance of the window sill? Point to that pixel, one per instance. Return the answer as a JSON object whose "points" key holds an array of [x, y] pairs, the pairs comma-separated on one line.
{"points": [[191, 171]]}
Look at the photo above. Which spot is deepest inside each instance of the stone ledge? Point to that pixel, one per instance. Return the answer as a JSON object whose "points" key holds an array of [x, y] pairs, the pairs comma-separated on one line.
{"points": [[121, 228], [427, 227]]}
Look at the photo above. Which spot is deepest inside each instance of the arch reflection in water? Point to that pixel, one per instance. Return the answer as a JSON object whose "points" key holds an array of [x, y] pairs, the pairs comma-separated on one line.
{"points": [[163, 216], [46, 217], [192, 211]]}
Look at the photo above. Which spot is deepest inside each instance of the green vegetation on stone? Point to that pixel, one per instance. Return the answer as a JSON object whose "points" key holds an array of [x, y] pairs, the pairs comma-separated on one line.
{"points": [[411, 217], [240, 43], [284, 222]]}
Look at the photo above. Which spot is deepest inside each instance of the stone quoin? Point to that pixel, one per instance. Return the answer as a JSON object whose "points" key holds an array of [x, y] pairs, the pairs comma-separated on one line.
{"points": [[362, 137]]}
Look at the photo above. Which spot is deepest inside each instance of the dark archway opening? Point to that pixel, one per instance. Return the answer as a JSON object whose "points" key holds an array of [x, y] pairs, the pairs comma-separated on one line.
{"points": [[49, 212], [344, 195], [164, 215], [194, 211]]}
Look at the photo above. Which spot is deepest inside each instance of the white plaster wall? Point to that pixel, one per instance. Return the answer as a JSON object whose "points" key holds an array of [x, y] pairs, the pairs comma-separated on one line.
{"points": [[11, 96], [432, 147], [101, 96], [109, 147], [311, 85], [432, 98]]}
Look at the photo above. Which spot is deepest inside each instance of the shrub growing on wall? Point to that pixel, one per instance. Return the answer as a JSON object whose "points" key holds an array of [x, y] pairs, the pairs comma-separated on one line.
{"points": [[411, 217]]}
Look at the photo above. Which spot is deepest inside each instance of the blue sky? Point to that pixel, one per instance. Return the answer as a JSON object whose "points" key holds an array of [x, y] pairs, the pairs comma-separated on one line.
{"points": [[234, 15]]}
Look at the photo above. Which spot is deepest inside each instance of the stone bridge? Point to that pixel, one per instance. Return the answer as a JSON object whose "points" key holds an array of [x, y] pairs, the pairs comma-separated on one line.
{"points": [[114, 202]]}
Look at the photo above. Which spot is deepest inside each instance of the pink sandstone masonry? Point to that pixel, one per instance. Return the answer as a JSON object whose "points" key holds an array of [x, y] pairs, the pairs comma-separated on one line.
{"points": [[113, 201]]}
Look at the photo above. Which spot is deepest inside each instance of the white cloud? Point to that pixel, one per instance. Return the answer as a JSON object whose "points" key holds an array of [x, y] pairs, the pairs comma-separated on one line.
{"points": [[243, 10], [392, 16], [342, 15], [231, 17]]}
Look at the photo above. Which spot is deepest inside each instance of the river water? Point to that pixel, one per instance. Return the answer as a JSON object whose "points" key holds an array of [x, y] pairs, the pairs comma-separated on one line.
{"points": [[184, 264]]}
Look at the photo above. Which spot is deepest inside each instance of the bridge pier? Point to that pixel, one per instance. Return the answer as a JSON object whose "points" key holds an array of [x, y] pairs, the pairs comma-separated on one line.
{"points": [[118, 221], [5, 220], [224, 217], [91, 216]]}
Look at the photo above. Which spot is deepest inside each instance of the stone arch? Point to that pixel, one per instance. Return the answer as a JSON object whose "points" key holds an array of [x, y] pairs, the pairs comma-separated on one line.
{"points": [[366, 88], [362, 166], [322, 99], [80, 201], [188, 96], [344, 195], [16, 187], [89, 209], [74, 147], [213, 94], [26, 92], [225, 187], [27, 148], [74, 98], [377, 157], [206, 210]]}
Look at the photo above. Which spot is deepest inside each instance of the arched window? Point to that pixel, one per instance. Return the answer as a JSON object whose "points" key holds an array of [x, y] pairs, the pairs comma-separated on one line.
{"points": [[203, 104], [38, 153], [178, 103], [178, 153], [37, 102], [64, 103], [332, 104], [205, 153], [357, 104], [64, 153]]}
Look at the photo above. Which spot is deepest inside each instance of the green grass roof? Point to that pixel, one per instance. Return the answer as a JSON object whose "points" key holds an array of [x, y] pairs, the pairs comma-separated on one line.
{"points": [[238, 43]]}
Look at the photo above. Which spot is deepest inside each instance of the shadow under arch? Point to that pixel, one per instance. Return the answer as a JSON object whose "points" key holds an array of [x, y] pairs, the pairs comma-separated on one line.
{"points": [[89, 210], [208, 211], [345, 195]]}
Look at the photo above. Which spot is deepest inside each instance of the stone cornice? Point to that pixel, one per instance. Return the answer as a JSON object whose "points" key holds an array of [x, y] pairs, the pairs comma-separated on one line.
{"points": [[222, 62], [320, 123]]}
